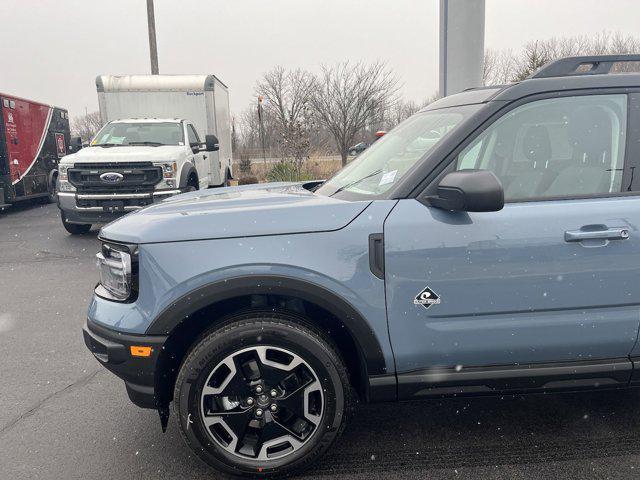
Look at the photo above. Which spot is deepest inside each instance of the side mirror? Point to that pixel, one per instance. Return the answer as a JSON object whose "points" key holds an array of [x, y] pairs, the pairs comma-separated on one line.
{"points": [[75, 144], [195, 147], [212, 144], [469, 191]]}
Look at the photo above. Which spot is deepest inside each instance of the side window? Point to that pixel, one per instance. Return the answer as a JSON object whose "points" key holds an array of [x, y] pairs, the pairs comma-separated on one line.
{"points": [[567, 146], [193, 135]]}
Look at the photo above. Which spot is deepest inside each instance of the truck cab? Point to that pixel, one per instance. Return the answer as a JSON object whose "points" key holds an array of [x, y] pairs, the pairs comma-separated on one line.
{"points": [[130, 164]]}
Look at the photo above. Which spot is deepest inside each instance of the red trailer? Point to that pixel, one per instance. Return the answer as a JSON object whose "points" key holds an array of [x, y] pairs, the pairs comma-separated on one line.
{"points": [[33, 137]]}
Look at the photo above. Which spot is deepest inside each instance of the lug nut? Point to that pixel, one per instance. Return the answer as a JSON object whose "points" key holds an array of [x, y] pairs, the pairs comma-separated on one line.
{"points": [[273, 407], [274, 393], [249, 401], [259, 389], [259, 412]]}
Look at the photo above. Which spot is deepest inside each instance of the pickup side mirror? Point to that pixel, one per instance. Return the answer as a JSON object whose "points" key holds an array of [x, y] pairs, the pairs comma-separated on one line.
{"points": [[469, 191], [211, 143], [75, 144]]}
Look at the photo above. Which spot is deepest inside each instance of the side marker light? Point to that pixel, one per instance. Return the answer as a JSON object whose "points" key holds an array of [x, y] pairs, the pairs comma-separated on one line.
{"points": [[140, 351]]}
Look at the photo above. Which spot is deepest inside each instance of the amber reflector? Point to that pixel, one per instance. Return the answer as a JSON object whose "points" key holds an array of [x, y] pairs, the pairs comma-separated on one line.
{"points": [[140, 351]]}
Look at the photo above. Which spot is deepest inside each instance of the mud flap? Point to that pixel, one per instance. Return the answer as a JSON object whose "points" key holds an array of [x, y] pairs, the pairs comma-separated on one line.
{"points": [[164, 413]]}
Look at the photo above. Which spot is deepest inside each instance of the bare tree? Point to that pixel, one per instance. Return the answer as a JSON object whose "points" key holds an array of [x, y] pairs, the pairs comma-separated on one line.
{"points": [[504, 66], [287, 96], [347, 95], [498, 67], [536, 54], [401, 110], [86, 126]]}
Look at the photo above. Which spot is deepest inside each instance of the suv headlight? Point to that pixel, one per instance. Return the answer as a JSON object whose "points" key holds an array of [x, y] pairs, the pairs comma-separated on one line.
{"points": [[117, 277]]}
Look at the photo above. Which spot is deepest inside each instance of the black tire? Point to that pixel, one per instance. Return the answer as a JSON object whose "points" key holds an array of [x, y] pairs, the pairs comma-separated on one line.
{"points": [[52, 194], [52, 197], [192, 184], [74, 228], [239, 334]]}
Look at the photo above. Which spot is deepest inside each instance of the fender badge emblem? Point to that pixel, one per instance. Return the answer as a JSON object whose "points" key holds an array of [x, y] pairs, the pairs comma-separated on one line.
{"points": [[426, 298]]}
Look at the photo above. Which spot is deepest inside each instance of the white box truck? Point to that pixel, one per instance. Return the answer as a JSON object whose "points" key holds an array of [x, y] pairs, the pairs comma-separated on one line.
{"points": [[163, 135]]}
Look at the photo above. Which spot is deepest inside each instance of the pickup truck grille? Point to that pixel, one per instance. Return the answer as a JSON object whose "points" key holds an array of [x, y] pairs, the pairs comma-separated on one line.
{"points": [[137, 177]]}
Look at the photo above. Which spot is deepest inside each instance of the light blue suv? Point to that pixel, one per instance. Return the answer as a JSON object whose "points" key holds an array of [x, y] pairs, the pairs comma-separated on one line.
{"points": [[487, 245]]}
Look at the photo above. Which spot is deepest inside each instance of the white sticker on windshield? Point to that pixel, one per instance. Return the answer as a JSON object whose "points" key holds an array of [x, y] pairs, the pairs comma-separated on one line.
{"points": [[388, 177]]}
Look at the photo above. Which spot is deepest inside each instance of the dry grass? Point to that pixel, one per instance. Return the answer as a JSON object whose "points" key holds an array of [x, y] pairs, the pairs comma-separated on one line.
{"points": [[319, 167]]}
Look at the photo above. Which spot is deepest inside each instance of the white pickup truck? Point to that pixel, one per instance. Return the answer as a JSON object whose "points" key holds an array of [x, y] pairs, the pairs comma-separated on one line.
{"points": [[163, 135]]}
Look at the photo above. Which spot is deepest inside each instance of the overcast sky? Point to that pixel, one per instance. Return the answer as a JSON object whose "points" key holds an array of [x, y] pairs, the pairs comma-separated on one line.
{"points": [[52, 50]]}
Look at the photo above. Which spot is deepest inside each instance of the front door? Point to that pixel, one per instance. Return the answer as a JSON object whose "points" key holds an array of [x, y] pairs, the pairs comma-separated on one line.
{"points": [[200, 158], [549, 281]]}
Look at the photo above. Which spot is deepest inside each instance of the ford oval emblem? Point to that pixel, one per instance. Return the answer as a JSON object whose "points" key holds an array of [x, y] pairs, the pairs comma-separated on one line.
{"points": [[111, 177]]}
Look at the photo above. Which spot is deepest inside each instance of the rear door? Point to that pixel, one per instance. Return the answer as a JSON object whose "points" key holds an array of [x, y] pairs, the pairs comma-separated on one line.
{"points": [[26, 127], [542, 293], [200, 158]]}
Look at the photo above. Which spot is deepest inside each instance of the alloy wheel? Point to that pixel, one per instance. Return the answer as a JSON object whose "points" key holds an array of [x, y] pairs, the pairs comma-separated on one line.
{"points": [[262, 403]]}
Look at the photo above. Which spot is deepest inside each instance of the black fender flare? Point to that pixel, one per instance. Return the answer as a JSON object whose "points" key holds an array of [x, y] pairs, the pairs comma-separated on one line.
{"points": [[186, 170], [370, 350]]}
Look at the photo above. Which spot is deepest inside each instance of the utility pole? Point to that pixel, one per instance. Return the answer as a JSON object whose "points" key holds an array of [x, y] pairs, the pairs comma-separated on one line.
{"points": [[261, 128], [153, 47]]}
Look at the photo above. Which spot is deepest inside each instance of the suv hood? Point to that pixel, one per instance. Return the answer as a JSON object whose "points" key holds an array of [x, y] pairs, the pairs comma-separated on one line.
{"points": [[138, 153], [250, 210]]}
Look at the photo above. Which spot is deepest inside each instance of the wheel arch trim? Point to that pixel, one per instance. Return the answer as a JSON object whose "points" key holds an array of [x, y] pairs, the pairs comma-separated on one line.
{"points": [[370, 350], [185, 172]]}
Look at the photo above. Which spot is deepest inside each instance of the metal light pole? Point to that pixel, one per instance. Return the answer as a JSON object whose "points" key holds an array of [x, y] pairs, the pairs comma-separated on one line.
{"points": [[461, 45], [153, 47]]}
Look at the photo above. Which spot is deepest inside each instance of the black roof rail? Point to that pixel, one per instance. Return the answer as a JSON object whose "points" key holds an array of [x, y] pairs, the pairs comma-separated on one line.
{"points": [[570, 66]]}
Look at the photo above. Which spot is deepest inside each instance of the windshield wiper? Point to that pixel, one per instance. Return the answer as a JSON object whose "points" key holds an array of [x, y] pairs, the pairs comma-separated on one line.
{"points": [[355, 182], [151, 144], [107, 145]]}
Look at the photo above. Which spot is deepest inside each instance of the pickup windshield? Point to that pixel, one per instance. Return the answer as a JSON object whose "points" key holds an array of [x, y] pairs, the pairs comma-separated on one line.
{"points": [[379, 167], [139, 133]]}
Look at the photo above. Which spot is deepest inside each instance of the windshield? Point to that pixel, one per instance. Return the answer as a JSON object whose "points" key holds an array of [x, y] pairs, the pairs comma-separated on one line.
{"points": [[139, 133], [381, 166]]}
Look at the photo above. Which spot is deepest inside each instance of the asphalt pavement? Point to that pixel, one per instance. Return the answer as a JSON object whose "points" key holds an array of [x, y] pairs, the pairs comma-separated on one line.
{"points": [[63, 416]]}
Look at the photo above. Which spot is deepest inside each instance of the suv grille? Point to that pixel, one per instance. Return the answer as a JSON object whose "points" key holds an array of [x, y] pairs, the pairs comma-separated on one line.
{"points": [[136, 177]]}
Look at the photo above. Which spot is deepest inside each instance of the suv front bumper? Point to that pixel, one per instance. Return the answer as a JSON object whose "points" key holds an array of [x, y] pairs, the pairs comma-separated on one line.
{"points": [[70, 203], [113, 350]]}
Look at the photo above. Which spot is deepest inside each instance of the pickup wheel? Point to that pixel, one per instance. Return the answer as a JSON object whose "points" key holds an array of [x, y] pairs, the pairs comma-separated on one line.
{"points": [[262, 395], [52, 193], [192, 184], [74, 228]]}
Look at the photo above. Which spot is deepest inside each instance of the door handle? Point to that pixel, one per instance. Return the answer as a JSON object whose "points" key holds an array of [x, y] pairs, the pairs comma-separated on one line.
{"points": [[620, 233], [204, 157]]}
